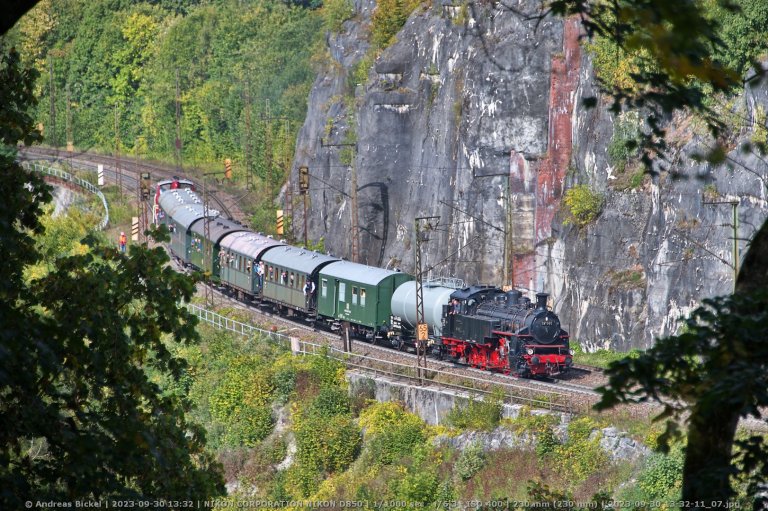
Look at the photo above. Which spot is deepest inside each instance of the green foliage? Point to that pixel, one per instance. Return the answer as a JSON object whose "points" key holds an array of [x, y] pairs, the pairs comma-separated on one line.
{"points": [[391, 431], [476, 414], [624, 142], [359, 72], [715, 372], [124, 56], [388, 18], [600, 358], [581, 456], [583, 205], [417, 481], [668, 60], [327, 438], [740, 31], [80, 415], [336, 12], [662, 475], [470, 461]]}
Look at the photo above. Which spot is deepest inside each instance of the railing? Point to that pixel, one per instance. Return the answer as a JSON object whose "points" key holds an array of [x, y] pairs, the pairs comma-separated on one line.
{"points": [[82, 183], [538, 398]]}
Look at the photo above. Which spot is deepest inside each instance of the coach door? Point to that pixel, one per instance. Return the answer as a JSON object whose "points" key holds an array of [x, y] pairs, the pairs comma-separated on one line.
{"points": [[340, 297]]}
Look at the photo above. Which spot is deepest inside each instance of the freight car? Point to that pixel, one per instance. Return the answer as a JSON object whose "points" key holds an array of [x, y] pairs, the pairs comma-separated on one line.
{"points": [[481, 326]]}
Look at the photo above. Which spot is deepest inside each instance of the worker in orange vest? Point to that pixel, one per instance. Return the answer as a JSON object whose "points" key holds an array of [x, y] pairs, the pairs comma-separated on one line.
{"points": [[123, 241]]}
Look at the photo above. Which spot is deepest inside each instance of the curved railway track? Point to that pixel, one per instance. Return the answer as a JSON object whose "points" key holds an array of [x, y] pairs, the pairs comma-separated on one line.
{"points": [[557, 393], [554, 393], [127, 172]]}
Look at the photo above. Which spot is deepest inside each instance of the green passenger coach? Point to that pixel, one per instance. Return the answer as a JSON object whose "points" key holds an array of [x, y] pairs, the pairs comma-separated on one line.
{"points": [[359, 294], [286, 270], [238, 260]]}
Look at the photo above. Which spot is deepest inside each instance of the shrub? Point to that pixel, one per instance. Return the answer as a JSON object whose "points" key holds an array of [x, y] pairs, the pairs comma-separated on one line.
{"points": [[482, 415], [251, 425], [418, 481], [580, 456], [584, 205], [662, 476], [336, 12], [388, 18], [470, 461], [393, 432], [624, 142]]}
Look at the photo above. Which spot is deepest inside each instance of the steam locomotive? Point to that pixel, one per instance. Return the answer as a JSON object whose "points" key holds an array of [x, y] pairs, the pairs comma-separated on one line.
{"points": [[482, 326]]}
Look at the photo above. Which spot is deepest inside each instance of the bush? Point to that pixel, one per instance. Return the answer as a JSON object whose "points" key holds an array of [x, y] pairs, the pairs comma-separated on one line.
{"points": [[625, 140], [417, 482], [663, 474], [251, 425], [584, 205], [470, 461], [478, 415], [336, 12], [580, 456], [393, 432], [388, 18]]}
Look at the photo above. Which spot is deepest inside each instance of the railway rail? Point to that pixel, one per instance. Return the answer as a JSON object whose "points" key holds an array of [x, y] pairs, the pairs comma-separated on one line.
{"points": [[127, 172], [367, 357], [553, 394]]}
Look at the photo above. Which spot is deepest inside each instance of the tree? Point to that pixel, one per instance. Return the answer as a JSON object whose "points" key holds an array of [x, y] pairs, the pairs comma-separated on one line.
{"points": [[79, 417], [715, 373]]}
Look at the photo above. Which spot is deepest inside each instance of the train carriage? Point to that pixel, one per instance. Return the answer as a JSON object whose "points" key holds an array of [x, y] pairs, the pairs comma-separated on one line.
{"points": [[158, 214], [219, 228], [359, 294], [182, 208], [237, 258], [285, 272]]}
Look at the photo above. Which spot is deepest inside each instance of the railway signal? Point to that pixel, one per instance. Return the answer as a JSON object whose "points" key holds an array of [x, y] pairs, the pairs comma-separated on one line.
{"points": [[145, 184], [303, 179]]}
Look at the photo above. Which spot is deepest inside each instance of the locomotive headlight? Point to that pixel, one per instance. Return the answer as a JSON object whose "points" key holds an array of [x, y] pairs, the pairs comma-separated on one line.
{"points": [[529, 351]]}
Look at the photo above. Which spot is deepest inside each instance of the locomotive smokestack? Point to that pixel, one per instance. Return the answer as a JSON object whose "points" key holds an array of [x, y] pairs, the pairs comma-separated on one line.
{"points": [[541, 301]]}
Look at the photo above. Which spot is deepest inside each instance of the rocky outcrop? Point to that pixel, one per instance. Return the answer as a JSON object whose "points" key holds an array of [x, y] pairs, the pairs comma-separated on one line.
{"points": [[434, 125], [477, 110]]}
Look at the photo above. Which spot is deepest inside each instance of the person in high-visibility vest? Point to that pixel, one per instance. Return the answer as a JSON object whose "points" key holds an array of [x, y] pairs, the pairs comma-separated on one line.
{"points": [[122, 241]]}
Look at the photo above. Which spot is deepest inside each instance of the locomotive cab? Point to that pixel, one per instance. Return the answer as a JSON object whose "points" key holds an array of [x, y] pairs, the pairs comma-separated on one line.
{"points": [[490, 329]]}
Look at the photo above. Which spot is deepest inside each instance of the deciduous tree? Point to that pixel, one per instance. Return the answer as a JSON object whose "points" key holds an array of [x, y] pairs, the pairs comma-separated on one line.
{"points": [[79, 417]]}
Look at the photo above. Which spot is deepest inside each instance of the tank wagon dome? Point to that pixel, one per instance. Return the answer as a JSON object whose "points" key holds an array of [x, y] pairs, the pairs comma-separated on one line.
{"points": [[297, 259], [361, 273], [248, 243]]}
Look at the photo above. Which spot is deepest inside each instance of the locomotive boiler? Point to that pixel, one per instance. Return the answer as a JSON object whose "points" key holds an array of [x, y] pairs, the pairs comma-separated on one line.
{"points": [[491, 329]]}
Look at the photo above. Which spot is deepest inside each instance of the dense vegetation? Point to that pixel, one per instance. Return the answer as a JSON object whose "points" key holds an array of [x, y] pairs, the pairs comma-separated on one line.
{"points": [[79, 415], [318, 439], [243, 73]]}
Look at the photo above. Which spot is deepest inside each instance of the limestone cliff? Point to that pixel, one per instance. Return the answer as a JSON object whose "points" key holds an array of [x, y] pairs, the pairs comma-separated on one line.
{"points": [[475, 112]]}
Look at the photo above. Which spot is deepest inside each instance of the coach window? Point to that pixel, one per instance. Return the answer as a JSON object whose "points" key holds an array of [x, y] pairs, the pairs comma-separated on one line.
{"points": [[362, 297], [354, 295], [324, 288], [290, 282], [342, 291]]}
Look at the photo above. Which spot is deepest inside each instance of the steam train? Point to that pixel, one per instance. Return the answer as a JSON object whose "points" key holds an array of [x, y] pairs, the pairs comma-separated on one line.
{"points": [[481, 326]]}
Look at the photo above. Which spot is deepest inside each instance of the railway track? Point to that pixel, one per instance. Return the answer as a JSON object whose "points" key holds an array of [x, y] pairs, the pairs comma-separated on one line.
{"points": [[557, 394], [128, 171]]}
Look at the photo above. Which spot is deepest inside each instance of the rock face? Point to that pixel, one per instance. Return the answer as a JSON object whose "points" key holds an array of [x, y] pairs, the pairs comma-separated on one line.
{"points": [[474, 116]]}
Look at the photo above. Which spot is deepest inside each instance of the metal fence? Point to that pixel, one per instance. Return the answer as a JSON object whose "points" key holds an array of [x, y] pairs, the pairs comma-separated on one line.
{"points": [[82, 183], [538, 398]]}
